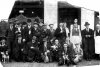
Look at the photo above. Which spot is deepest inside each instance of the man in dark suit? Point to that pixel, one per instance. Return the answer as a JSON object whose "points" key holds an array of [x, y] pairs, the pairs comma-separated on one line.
{"points": [[10, 38], [34, 53], [88, 42], [60, 33], [29, 30], [51, 32]]}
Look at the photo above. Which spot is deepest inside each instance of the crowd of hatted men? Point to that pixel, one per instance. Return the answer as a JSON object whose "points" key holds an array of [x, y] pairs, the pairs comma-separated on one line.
{"points": [[24, 42]]}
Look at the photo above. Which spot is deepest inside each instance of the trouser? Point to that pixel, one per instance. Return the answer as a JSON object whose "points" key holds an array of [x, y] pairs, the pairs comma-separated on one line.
{"points": [[10, 43]]}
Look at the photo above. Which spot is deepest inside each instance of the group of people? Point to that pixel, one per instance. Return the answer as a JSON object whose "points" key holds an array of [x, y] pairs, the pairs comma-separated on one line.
{"points": [[26, 42]]}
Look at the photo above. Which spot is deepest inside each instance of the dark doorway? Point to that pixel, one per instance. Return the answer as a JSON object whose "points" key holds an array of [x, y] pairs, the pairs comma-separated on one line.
{"points": [[31, 9], [67, 13]]}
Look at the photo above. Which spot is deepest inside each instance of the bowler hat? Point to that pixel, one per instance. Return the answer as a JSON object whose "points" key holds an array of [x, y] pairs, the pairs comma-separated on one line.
{"points": [[29, 20], [24, 23], [86, 23]]}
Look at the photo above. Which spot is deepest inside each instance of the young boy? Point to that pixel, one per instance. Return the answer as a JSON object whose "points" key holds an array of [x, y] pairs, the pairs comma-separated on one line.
{"points": [[78, 54]]}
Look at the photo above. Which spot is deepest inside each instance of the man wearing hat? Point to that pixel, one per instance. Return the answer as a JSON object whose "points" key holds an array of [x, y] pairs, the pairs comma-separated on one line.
{"points": [[51, 33], [29, 30], [10, 37], [34, 53], [88, 42]]}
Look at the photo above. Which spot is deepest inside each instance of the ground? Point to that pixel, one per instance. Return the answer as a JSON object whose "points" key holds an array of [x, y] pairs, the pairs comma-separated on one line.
{"points": [[27, 64]]}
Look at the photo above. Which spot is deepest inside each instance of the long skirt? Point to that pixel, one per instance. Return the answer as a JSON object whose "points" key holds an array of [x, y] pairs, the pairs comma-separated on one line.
{"points": [[97, 44]]}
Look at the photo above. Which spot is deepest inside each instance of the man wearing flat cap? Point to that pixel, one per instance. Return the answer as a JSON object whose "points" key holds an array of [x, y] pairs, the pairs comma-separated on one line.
{"points": [[88, 42], [10, 37]]}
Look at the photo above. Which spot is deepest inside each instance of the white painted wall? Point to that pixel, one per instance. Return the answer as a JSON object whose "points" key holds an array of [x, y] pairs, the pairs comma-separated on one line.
{"points": [[87, 16], [50, 12]]}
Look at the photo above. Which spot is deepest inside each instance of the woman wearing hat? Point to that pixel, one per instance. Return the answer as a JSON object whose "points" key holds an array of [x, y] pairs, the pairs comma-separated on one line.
{"points": [[88, 42]]}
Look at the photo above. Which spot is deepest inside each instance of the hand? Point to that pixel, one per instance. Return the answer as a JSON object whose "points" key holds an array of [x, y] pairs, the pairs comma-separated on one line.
{"points": [[24, 40], [32, 47]]}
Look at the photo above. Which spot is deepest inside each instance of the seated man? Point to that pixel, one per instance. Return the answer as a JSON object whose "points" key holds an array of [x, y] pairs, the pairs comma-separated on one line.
{"points": [[33, 50], [56, 52], [78, 54]]}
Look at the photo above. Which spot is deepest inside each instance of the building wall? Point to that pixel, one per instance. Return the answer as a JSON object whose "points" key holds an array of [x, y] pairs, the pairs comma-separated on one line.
{"points": [[87, 16]]}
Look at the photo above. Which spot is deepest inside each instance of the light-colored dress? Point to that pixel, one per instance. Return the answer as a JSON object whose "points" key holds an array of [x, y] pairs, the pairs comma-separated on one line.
{"points": [[75, 35]]}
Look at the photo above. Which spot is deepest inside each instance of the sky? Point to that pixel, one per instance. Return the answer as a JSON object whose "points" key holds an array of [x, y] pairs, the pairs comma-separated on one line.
{"points": [[6, 5]]}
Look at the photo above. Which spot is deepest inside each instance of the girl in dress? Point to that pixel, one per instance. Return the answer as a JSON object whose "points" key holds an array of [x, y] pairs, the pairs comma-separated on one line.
{"points": [[75, 34]]}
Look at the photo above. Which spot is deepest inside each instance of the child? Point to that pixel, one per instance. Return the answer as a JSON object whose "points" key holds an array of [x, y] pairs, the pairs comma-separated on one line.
{"points": [[65, 53], [4, 50], [78, 54]]}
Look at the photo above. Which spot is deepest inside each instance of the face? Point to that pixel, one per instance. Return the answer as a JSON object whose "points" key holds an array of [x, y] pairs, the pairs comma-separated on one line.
{"points": [[40, 24], [56, 41], [29, 23], [35, 26], [51, 26], [87, 26], [61, 25], [75, 21], [11, 24], [45, 27], [3, 41]]}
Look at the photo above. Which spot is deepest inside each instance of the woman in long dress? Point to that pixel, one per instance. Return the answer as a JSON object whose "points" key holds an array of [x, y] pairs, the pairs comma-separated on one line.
{"points": [[75, 34]]}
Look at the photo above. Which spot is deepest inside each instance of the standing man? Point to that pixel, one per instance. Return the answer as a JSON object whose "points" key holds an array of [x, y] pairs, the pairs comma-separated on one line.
{"points": [[51, 32], [88, 42], [60, 33], [10, 38], [29, 30]]}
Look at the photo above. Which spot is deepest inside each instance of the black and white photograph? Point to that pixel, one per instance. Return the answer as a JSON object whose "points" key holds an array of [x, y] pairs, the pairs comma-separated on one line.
{"points": [[49, 33]]}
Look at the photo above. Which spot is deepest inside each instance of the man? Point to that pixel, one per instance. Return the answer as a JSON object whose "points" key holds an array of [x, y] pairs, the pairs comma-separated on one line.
{"points": [[43, 37], [51, 32], [36, 30], [88, 42], [33, 51], [10, 38], [60, 33], [29, 30]]}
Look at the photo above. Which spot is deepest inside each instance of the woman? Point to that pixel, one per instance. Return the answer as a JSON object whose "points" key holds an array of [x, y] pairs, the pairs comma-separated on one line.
{"points": [[75, 35]]}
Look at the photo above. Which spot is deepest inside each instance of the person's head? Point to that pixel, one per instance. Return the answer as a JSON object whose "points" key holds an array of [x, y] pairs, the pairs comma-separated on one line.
{"points": [[56, 41], [3, 39], [87, 25], [51, 26], [11, 23], [75, 21], [24, 24], [35, 25], [34, 39], [40, 24], [61, 25], [19, 24], [44, 26], [29, 21]]}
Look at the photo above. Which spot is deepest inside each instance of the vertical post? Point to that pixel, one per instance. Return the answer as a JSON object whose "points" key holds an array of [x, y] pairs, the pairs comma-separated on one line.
{"points": [[51, 12]]}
